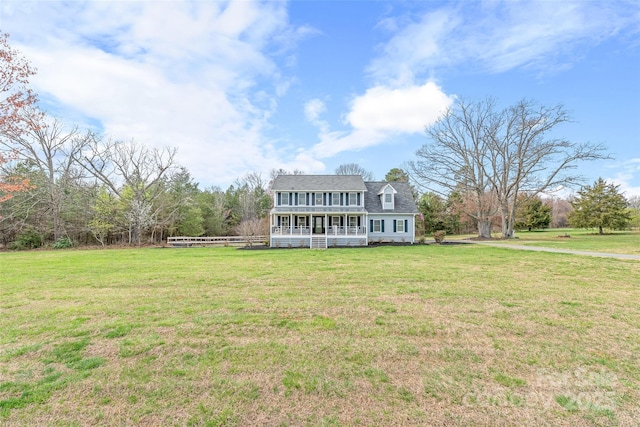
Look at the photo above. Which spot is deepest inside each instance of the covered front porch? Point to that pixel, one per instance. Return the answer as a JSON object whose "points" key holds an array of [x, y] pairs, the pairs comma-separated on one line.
{"points": [[318, 230]]}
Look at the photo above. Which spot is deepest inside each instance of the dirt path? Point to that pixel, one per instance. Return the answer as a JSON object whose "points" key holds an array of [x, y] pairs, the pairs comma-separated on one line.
{"points": [[557, 250]]}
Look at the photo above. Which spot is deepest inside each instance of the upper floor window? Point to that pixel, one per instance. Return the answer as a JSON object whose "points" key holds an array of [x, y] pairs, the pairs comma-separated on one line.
{"points": [[353, 199], [302, 199], [284, 199], [335, 199], [387, 196], [319, 199]]}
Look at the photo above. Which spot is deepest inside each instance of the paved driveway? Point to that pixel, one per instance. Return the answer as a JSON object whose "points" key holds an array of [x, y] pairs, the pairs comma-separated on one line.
{"points": [[557, 250]]}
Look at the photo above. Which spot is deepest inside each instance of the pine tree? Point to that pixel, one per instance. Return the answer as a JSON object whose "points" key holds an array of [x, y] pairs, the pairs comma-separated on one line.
{"points": [[532, 213], [601, 206]]}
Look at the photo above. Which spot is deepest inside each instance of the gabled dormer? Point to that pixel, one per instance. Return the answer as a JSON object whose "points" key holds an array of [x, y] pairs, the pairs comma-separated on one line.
{"points": [[387, 196]]}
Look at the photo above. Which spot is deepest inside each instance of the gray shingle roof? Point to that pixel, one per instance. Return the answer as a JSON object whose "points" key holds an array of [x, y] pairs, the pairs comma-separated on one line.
{"points": [[326, 183], [403, 200]]}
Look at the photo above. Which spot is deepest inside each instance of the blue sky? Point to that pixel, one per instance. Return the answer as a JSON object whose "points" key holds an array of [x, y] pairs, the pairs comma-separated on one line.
{"points": [[250, 86]]}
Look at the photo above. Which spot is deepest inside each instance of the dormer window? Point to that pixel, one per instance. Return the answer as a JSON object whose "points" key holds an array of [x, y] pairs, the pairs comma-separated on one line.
{"points": [[387, 197]]}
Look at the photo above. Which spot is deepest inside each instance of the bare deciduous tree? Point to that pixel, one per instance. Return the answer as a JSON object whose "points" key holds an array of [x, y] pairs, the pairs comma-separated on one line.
{"points": [[477, 149], [525, 158], [51, 149], [251, 224], [134, 173], [455, 160], [275, 172], [354, 169]]}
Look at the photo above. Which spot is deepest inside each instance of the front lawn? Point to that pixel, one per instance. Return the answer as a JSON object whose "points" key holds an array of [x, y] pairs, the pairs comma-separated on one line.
{"points": [[417, 335]]}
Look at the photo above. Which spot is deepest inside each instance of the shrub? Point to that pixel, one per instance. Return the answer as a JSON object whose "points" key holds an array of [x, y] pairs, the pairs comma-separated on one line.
{"points": [[28, 239], [421, 240], [62, 243], [439, 236]]}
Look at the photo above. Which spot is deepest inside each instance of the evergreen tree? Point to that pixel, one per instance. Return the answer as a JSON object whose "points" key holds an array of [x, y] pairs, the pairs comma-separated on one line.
{"points": [[532, 213], [601, 206]]}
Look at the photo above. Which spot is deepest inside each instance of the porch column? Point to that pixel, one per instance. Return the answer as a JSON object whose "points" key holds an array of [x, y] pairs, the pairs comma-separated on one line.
{"points": [[326, 225]]}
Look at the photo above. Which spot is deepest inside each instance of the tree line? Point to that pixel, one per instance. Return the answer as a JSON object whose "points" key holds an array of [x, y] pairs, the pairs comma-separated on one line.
{"points": [[482, 168]]}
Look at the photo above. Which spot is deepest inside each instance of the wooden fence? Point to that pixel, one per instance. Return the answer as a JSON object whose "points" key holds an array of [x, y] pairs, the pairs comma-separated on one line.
{"points": [[184, 241]]}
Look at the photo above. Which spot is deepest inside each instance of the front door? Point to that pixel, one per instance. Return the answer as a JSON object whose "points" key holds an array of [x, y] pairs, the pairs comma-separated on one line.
{"points": [[318, 225]]}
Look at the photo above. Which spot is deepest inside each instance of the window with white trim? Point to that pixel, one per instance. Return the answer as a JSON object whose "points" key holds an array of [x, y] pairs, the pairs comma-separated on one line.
{"points": [[400, 226], [335, 199], [302, 199], [284, 199], [388, 198], [284, 221], [353, 199], [376, 226], [302, 221], [353, 221], [319, 199]]}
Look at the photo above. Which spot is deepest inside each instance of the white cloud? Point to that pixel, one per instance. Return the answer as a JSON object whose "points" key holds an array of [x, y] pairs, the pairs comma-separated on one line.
{"points": [[313, 109], [407, 109], [378, 116], [498, 36], [626, 177], [200, 76]]}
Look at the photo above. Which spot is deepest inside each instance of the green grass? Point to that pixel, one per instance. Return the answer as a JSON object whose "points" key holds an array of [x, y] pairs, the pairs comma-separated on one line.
{"points": [[422, 335], [622, 242]]}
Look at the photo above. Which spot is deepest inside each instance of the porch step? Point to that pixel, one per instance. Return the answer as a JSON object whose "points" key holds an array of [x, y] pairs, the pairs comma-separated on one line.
{"points": [[318, 242]]}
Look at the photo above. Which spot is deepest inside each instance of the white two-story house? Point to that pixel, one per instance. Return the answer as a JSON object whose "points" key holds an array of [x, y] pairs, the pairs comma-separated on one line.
{"points": [[320, 211]]}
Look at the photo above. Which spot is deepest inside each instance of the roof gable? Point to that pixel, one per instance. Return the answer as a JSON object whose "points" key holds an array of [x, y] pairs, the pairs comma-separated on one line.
{"points": [[384, 188], [403, 202]]}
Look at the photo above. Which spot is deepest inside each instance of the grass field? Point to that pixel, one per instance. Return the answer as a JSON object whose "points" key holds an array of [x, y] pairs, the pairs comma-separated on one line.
{"points": [[422, 335], [621, 242]]}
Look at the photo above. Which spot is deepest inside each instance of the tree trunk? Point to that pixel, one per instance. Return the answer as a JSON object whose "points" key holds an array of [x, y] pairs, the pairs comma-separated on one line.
{"points": [[484, 228], [600, 229], [505, 224]]}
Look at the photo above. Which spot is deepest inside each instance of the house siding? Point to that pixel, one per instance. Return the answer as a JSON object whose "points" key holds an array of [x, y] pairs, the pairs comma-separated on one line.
{"points": [[389, 235]]}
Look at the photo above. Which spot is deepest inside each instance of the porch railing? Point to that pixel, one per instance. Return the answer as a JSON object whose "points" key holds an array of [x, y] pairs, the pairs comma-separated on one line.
{"points": [[333, 230], [289, 231]]}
